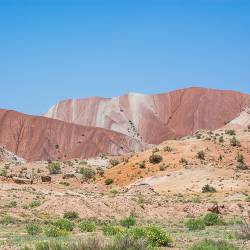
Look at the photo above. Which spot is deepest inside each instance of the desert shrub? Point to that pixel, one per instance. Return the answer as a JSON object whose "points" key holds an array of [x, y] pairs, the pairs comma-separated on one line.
{"points": [[35, 203], [212, 219], [240, 158], [54, 231], [3, 172], [126, 241], [196, 199], [167, 149], [157, 237], [113, 162], [87, 226], [64, 183], [221, 139], [70, 215], [155, 150], [248, 127], [195, 224], [247, 198], [198, 136], [100, 171], [110, 230], [162, 167], [108, 181], [201, 155], [230, 132], [155, 159], [33, 229], [64, 224], [128, 222], [87, 173], [213, 245], [244, 231], [242, 166], [234, 142], [183, 161], [54, 168], [142, 164], [6, 220], [208, 189]]}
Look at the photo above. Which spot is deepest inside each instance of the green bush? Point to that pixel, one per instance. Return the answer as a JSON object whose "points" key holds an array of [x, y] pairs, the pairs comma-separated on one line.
{"points": [[240, 158], [195, 224], [35, 203], [87, 173], [109, 230], [71, 215], [54, 231], [6, 220], [108, 181], [221, 139], [87, 226], [33, 229], [128, 222], [142, 164], [212, 219], [157, 237], [208, 189], [54, 168], [64, 224], [201, 155], [213, 245], [155, 159]]}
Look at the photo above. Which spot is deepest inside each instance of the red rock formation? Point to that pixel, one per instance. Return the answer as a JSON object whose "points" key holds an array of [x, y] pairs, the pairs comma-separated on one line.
{"points": [[155, 118], [40, 138]]}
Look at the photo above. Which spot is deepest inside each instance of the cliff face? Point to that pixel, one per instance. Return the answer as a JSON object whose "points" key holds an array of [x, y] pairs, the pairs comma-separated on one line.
{"points": [[154, 118], [40, 138]]}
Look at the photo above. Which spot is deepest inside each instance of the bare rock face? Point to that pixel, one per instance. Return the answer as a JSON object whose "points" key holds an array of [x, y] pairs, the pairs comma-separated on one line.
{"points": [[155, 118], [8, 156], [40, 138]]}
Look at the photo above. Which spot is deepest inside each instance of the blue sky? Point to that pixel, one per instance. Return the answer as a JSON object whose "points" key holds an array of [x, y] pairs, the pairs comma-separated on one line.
{"points": [[52, 50]]}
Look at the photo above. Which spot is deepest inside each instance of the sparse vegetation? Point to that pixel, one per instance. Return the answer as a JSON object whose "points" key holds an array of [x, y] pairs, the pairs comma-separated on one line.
{"points": [[168, 149], [64, 224], [230, 132], [33, 229], [54, 168], [155, 158], [213, 245], [183, 161], [142, 164], [234, 142], [108, 181], [221, 139], [87, 226], [208, 189], [195, 224], [71, 215], [113, 162], [53, 231], [87, 173], [212, 219], [128, 222], [201, 155]]}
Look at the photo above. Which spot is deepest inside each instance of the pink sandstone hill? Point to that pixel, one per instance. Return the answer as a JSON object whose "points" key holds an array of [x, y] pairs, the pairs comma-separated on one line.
{"points": [[155, 118], [39, 138]]}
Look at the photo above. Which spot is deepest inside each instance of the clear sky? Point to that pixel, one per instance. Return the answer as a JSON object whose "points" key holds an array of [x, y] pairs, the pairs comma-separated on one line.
{"points": [[55, 49]]}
